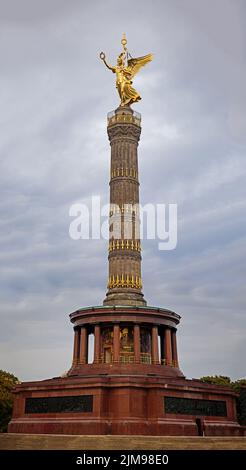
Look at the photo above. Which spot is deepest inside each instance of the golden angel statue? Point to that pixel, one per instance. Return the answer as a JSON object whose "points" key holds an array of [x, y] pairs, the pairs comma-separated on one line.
{"points": [[125, 70]]}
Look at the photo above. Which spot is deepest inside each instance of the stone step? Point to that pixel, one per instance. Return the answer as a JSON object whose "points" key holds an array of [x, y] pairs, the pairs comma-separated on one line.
{"points": [[69, 442]]}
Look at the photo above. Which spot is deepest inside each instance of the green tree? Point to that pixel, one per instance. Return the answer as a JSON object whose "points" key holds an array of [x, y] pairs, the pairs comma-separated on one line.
{"points": [[7, 383], [224, 380], [217, 380], [237, 384]]}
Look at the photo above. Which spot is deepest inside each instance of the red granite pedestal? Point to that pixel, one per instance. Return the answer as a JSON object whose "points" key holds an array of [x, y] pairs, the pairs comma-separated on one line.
{"points": [[124, 404], [126, 392]]}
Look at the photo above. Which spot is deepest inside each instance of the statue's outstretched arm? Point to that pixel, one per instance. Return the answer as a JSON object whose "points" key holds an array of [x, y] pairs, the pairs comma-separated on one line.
{"points": [[103, 58]]}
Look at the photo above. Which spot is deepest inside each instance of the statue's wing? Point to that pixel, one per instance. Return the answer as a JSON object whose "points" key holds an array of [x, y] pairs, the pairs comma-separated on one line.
{"points": [[134, 65]]}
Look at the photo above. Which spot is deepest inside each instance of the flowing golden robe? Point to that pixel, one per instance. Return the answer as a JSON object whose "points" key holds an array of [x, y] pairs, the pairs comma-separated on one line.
{"points": [[124, 76], [128, 94]]}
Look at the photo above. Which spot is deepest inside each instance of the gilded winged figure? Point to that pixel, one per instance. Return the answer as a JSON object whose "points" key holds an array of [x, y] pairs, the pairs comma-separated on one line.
{"points": [[125, 71]]}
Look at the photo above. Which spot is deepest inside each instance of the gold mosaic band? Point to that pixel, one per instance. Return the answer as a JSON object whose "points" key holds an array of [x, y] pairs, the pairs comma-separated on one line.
{"points": [[124, 280], [124, 172], [133, 245]]}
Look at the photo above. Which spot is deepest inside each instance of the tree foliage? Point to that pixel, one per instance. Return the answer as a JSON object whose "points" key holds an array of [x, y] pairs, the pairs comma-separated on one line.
{"points": [[7, 383], [224, 381], [238, 384], [217, 380]]}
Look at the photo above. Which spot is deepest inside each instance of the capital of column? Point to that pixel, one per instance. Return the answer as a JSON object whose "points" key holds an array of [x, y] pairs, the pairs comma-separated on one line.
{"points": [[124, 122], [126, 131]]}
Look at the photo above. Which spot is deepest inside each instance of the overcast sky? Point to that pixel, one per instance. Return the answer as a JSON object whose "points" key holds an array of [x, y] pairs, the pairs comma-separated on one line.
{"points": [[54, 97]]}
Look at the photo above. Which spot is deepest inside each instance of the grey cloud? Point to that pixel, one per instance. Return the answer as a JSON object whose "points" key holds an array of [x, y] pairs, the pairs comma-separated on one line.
{"points": [[32, 10]]}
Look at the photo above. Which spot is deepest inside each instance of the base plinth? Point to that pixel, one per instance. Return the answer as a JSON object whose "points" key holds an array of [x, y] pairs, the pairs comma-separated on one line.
{"points": [[122, 405]]}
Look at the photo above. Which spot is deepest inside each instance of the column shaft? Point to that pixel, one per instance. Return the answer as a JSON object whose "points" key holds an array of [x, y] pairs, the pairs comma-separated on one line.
{"points": [[154, 345], [116, 344], [175, 349], [97, 344], [137, 343], [76, 347], [168, 347], [124, 281], [83, 346]]}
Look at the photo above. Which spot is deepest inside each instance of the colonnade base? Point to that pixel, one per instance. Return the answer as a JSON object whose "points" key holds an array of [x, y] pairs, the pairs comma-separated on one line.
{"points": [[125, 334]]}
